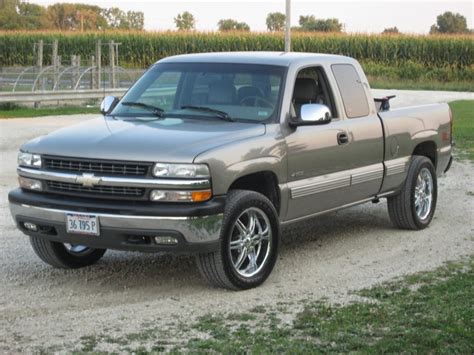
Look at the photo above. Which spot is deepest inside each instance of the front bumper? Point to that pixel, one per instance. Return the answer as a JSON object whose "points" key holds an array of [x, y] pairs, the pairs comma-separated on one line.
{"points": [[118, 229]]}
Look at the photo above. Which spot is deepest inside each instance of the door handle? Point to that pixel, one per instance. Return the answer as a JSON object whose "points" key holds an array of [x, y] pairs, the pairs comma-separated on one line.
{"points": [[342, 138]]}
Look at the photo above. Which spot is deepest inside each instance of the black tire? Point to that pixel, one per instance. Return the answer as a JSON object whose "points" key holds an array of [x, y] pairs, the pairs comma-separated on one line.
{"points": [[57, 255], [217, 267], [401, 207]]}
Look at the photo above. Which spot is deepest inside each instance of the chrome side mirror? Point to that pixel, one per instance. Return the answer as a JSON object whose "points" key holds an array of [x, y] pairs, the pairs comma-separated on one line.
{"points": [[312, 114], [108, 104]]}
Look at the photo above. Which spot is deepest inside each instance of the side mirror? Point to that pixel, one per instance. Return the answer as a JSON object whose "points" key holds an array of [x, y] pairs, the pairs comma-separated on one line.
{"points": [[312, 114], [108, 104]]}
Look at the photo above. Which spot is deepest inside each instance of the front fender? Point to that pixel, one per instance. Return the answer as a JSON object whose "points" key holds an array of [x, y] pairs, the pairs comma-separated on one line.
{"points": [[258, 154], [257, 165]]}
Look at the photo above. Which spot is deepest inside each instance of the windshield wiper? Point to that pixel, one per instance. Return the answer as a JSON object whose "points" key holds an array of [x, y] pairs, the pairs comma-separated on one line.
{"points": [[157, 111], [221, 114]]}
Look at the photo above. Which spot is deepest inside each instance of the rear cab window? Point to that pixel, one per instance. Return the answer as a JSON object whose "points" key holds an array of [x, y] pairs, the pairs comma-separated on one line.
{"points": [[352, 91]]}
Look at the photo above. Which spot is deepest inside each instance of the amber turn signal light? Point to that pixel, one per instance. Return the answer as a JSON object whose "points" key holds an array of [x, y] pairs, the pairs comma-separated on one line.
{"points": [[199, 196]]}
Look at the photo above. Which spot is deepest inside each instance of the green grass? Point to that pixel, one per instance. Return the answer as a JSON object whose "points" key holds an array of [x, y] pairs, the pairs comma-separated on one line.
{"points": [[17, 112], [463, 112], [426, 313]]}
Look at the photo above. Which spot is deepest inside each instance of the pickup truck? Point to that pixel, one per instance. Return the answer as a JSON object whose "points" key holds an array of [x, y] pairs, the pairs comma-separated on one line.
{"points": [[212, 153]]}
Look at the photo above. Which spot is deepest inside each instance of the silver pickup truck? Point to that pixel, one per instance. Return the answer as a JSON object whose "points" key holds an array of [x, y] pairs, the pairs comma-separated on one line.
{"points": [[212, 153]]}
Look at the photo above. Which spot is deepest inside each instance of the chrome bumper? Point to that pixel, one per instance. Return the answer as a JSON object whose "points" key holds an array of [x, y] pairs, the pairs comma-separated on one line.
{"points": [[193, 229]]}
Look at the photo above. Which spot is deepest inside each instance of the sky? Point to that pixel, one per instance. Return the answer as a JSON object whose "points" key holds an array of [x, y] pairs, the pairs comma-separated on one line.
{"points": [[410, 16]]}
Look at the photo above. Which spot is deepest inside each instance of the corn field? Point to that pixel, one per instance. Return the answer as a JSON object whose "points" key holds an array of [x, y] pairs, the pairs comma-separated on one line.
{"points": [[444, 58]]}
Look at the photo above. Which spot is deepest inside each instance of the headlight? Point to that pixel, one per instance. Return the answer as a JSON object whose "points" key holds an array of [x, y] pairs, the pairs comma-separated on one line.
{"points": [[181, 170], [29, 160], [180, 196]]}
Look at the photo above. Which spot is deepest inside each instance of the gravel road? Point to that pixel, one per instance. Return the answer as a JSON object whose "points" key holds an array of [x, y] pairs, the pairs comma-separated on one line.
{"points": [[325, 257]]}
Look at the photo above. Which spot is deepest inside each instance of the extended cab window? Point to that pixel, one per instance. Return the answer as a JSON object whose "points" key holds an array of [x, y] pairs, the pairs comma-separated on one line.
{"points": [[351, 89]]}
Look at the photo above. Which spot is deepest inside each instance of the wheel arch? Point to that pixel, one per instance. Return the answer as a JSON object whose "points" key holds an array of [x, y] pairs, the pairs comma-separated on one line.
{"points": [[264, 182], [427, 149]]}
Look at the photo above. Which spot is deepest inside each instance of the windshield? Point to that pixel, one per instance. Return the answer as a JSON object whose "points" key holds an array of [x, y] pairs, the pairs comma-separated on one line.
{"points": [[237, 92]]}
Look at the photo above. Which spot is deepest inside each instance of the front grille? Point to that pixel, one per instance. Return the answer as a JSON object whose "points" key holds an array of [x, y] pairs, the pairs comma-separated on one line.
{"points": [[120, 192], [95, 166]]}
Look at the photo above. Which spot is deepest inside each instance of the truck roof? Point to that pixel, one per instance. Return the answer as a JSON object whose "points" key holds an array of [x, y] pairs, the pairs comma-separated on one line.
{"points": [[269, 58]]}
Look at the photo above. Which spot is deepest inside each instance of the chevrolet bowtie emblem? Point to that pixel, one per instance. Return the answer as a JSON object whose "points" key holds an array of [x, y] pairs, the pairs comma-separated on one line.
{"points": [[88, 180]]}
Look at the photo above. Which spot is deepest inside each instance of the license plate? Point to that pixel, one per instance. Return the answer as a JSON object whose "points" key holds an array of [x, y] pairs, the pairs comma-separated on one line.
{"points": [[82, 224]]}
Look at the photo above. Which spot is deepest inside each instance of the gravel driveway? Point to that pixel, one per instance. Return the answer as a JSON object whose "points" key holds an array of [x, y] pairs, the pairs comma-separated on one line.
{"points": [[324, 257]]}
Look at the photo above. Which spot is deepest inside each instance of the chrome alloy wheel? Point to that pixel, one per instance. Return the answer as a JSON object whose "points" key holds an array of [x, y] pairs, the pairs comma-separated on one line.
{"points": [[423, 194], [250, 242], [77, 249]]}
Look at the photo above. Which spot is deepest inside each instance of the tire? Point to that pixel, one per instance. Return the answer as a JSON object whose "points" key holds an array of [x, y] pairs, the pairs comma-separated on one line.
{"points": [[406, 209], [254, 244], [65, 256]]}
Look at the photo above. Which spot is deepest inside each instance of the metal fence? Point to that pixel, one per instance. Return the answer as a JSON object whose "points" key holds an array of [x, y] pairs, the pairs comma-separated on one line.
{"points": [[60, 78], [58, 83]]}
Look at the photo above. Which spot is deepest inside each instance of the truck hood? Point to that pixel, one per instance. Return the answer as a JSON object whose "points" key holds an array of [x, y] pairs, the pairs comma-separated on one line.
{"points": [[167, 140]]}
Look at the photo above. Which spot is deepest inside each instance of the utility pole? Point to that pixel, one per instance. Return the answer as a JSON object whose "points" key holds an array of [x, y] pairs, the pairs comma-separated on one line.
{"points": [[288, 27]]}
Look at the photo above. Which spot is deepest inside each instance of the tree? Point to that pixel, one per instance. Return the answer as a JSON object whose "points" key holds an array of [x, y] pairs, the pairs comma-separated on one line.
{"points": [[310, 23], [20, 15], [276, 21], [117, 18], [136, 20], [63, 16], [307, 23], [74, 17], [185, 21], [89, 17], [391, 31], [232, 25], [449, 23], [33, 17], [9, 18]]}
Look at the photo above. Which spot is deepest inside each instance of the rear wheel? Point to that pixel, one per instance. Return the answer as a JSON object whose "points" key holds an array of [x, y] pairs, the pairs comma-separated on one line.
{"points": [[249, 243], [414, 206], [65, 256]]}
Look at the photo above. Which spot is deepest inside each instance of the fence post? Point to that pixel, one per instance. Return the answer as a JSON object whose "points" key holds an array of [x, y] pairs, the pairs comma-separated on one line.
{"points": [[73, 74], [76, 64], [98, 55], [39, 55], [112, 64], [93, 82], [39, 63], [55, 62]]}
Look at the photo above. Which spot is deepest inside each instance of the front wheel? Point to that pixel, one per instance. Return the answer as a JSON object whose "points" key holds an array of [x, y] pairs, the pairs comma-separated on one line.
{"points": [[249, 243], [65, 256], [415, 204]]}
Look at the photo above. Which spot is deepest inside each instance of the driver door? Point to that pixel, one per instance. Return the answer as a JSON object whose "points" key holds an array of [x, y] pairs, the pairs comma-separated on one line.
{"points": [[325, 160]]}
